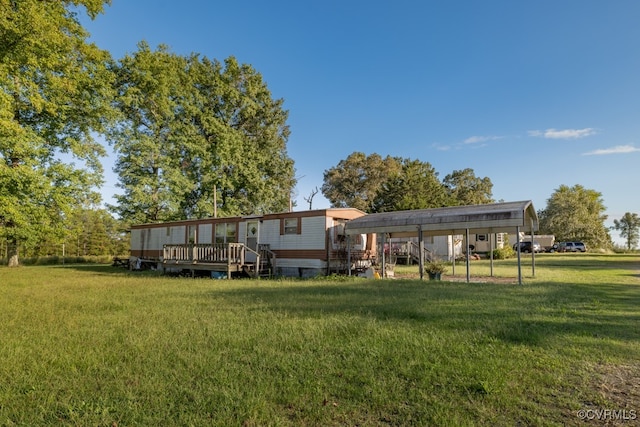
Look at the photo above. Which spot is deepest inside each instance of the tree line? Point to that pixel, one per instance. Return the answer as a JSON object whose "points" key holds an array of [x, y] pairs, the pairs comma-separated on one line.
{"points": [[372, 184], [89, 233]]}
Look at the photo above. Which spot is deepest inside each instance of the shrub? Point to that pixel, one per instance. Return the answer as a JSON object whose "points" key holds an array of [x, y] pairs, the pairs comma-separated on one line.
{"points": [[503, 253]]}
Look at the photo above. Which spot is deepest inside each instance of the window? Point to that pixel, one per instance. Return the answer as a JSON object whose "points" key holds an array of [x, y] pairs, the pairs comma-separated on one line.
{"points": [[481, 237], [226, 232], [290, 226]]}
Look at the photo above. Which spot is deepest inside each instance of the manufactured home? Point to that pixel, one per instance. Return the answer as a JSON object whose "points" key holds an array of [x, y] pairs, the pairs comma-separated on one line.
{"points": [[325, 241], [300, 244]]}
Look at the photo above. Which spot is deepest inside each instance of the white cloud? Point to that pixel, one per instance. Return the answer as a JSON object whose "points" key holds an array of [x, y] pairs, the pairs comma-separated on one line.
{"points": [[563, 133], [476, 139], [440, 147], [618, 149]]}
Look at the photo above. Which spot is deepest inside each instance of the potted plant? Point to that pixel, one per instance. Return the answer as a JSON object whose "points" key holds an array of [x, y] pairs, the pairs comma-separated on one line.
{"points": [[435, 268]]}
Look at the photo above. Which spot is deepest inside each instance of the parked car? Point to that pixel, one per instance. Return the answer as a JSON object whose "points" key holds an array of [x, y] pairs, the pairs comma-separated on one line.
{"points": [[572, 247], [526, 247], [553, 248]]}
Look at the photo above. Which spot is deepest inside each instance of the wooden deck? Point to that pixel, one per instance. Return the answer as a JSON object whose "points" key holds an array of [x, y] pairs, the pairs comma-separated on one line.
{"points": [[232, 258]]}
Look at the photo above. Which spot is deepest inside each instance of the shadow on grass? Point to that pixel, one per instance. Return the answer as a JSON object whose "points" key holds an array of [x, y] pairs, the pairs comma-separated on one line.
{"points": [[534, 315], [589, 260], [538, 314], [108, 270]]}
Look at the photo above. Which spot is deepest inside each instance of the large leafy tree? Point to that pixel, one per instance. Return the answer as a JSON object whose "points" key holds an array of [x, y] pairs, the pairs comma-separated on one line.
{"points": [[375, 184], [414, 186], [243, 133], [198, 138], [576, 213], [147, 137], [465, 188], [356, 181], [56, 92], [629, 228]]}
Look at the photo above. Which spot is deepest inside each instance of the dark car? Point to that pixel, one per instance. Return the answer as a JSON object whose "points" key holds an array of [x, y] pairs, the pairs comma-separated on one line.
{"points": [[526, 247]]}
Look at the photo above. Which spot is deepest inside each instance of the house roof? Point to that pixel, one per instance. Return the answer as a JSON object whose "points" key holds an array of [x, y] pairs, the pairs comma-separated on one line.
{"points": [[339, 213], [478, 219]]}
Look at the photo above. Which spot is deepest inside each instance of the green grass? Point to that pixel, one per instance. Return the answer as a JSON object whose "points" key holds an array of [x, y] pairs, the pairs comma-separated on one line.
{"points": [[94, 345]]}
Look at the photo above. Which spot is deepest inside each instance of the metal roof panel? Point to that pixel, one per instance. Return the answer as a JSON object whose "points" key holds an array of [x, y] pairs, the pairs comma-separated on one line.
{"points": [[494, 217]]}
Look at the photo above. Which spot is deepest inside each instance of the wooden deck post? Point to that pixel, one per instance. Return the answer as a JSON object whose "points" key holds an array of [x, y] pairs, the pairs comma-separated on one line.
{"points": [[421, 257]]}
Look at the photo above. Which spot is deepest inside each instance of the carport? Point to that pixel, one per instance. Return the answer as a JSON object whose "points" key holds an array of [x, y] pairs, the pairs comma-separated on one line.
{"points": [[506, 217]]}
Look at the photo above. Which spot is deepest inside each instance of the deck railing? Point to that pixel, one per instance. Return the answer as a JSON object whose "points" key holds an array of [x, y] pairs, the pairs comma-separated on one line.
{"points": [[205, 252], [414, 251]]}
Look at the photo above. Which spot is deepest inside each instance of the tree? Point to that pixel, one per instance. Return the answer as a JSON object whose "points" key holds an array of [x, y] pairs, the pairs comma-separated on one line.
{"points": [[356, 181], [414, 186], [576, 213], [464, 188], [245, 132], [309, 199], [56, 92], [629, 228], [373, 184], [94, 232], [198, 138], [148, 161]]}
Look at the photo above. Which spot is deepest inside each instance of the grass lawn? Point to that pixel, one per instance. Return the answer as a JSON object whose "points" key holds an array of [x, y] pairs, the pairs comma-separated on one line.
{"points": [[93, 345]]}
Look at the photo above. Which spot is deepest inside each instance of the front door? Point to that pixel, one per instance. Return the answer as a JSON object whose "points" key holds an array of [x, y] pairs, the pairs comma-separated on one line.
{"points": [[253, 231]]}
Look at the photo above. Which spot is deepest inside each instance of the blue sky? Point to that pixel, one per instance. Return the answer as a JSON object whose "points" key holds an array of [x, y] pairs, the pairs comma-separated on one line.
{"points": [[533, 95]]}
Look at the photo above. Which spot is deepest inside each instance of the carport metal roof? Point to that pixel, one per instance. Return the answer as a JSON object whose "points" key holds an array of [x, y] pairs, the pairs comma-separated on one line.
{"points": [[478, 219]]}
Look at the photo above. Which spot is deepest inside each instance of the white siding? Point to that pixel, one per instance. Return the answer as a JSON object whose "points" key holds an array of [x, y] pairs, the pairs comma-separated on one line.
{"points": [[312, 236], [314, 233], [135, 239], [177, 235], [146, 239], [270, 233], [155, 238], [440, 246], [204, 233], [242, 233], [301, 263]]}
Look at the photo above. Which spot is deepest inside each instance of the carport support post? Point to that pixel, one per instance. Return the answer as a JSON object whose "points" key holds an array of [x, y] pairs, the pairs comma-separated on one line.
{"points": [[384, 258], [518, 251], [420, 248], [468, 256], [533, 257], [349, 254], [491, 237], [452, 244]]}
